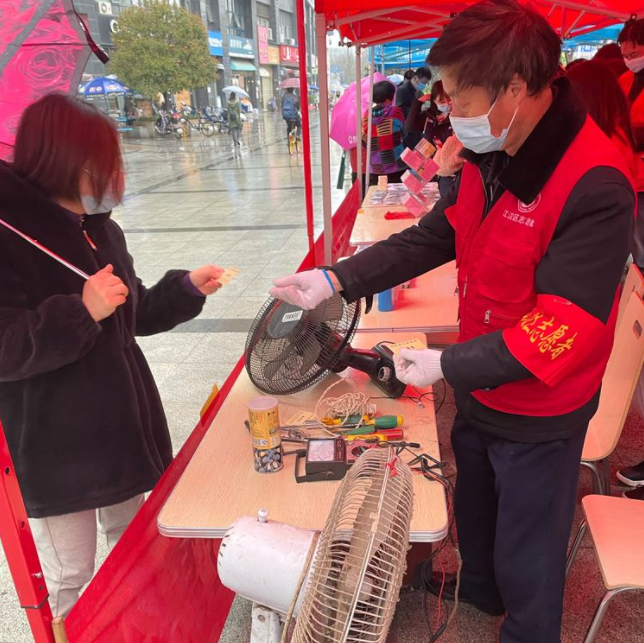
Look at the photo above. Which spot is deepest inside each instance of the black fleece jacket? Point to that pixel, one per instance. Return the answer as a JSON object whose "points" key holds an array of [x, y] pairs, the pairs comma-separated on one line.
{"points": [[583, 263], [78, 403]]}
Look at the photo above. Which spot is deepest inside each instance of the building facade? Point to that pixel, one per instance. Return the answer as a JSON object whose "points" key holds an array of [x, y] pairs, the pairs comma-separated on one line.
{"points": [[254, 41]]}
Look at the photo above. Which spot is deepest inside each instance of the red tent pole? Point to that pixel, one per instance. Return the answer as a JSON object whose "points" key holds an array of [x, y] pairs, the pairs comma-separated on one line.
{"points": [[20, 550], [306, 135]]}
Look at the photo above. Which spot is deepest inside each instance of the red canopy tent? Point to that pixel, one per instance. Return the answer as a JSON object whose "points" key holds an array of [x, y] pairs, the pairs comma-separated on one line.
{"points": [[374, 22], [154, 589]]}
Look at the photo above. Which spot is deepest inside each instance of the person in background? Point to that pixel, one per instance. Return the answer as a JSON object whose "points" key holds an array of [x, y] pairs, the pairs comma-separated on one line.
{"points": [[540, 223], [631, 43], [387, 122], [291, 111], [608, 107], [611, 56], [78, 403], [409, 89], [429, 118], [234, 118]]}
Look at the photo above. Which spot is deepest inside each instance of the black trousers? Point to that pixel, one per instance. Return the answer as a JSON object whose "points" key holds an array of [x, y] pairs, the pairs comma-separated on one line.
{"points": [[514, 505]]}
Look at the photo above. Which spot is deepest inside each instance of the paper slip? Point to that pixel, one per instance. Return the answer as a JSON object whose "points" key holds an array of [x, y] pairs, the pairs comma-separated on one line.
{"points": [[228, 276], [301, 417], [415, 344]]}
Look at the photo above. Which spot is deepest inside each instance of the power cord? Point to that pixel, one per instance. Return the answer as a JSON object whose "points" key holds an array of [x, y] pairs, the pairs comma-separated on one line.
{"points": [[432, 470]]}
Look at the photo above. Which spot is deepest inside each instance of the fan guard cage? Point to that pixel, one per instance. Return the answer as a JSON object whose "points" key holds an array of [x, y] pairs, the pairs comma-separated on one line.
{"points": [[362, 555], [284, 358]]}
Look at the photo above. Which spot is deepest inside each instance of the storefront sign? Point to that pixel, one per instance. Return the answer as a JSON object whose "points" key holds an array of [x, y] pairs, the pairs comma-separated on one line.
{"points": [[262, 45], [289, 55], [215, 43], [241, 47], [273, 55]]}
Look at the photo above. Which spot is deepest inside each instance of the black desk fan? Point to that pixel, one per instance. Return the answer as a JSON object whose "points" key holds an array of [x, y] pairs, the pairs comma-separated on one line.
{"points": [[289, 349]]}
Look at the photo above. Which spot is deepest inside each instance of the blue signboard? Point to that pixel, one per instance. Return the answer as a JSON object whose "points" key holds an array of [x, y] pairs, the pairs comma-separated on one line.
{"points": [[215, 43]]}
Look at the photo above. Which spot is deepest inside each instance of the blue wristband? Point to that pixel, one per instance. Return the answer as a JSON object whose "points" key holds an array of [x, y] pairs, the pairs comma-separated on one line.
{"points": [[326, 274]]}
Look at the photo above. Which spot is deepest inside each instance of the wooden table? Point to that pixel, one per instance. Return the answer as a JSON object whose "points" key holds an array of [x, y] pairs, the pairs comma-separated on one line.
{"points": [[429, 306], [371, 225], [220, 484]]}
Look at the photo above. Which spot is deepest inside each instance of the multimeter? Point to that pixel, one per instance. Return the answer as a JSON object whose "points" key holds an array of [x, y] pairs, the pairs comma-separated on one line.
{"points": [[329, 458], [324, 459]]}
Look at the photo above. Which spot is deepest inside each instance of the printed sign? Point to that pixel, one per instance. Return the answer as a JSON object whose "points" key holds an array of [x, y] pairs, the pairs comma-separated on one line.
{"points": [[262, 45], [241, 47], [289, 55], [215, 43]]}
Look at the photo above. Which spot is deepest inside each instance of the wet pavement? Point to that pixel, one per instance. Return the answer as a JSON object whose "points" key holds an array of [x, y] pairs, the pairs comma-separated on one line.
{"points": [[200, 201]]}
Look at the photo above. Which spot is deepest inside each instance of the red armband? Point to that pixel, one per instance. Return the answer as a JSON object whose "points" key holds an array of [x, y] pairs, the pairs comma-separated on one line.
{"points": [[554, 338]]}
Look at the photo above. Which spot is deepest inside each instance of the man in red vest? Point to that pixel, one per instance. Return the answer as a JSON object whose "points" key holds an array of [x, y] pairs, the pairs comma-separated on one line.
{"points": [[540, 224]]}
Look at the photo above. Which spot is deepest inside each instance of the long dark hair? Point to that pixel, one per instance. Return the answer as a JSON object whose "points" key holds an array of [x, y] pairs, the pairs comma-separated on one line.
{"points": [[604, 98], [58, 138]]}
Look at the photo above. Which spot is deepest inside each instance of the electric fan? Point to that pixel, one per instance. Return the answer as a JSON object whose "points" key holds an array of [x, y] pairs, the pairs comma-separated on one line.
{"points": [[289, 349], [344, 587]]}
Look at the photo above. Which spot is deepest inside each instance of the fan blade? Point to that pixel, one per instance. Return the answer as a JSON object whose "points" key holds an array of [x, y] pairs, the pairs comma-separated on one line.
{"points": [[272, 368], [328, 311], [310, 354]]}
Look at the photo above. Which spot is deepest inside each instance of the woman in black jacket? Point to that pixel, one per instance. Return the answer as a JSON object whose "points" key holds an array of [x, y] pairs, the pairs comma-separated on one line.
{"points": [[78, 403]]}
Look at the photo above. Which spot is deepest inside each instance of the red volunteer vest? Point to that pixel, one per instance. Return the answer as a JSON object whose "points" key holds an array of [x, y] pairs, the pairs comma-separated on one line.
{"points": [[565, 347]]}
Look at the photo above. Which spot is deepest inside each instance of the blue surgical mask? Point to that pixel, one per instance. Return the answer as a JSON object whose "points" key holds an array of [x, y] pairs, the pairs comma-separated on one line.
{"points": [[106, 204], [421, 86], [444, 108], [475, 133]]}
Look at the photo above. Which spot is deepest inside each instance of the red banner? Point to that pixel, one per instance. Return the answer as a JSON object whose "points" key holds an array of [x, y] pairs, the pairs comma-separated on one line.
{"points": [[289, 55]]}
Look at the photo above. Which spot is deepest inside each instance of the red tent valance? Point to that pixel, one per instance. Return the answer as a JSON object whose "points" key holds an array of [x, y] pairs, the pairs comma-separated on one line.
{"points": [[372, 22]]}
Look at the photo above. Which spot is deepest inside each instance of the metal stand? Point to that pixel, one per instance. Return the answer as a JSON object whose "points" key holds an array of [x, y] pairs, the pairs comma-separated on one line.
{"points": [[20, 551], [266, 626], [320, 30]]}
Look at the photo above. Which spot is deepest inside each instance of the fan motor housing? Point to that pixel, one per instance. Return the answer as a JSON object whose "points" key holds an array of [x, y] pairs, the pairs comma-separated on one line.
{"points": [[263, 561]]}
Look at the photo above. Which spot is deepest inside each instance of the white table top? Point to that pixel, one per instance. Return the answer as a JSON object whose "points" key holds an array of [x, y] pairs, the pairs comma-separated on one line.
{"points": [[429, 306], [371, 226], [220, 484]]}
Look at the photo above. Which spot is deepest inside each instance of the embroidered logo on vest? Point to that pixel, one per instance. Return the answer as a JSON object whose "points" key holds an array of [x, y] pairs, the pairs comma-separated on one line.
{"points": [[529, 207]]}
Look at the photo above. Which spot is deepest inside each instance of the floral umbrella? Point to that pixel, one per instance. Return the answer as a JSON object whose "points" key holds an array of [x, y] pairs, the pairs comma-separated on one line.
{"points": [[44, 46]]}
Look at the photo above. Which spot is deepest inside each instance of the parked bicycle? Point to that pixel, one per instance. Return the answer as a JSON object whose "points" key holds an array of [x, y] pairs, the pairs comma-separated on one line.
{"points": [[168, 125], [204, 125]]}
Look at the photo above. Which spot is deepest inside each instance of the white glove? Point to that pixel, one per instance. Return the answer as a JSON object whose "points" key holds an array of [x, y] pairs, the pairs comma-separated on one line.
{"points": [[418, 367], [307, 290]]}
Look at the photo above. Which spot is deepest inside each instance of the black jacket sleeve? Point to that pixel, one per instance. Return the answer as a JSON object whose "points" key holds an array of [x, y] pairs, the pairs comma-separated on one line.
{"points": [[36, 341], [166, 304], [584, 264], [403, 256]]}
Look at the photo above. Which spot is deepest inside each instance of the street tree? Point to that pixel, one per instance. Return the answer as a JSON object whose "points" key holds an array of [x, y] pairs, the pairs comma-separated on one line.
{"points": [[161, 47]]}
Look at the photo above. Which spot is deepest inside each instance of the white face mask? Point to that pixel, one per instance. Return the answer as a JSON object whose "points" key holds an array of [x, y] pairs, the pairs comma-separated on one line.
{"points": [[106, 204], [635, 64], [475, 133], [444, 108]]}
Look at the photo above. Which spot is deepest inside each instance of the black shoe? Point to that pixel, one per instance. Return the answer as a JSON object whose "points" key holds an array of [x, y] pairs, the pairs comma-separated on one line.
{"points": [[634, 494], [632, 476], [435, 583]]}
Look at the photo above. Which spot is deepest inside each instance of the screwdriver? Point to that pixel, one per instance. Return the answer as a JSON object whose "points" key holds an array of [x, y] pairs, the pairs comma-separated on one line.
{"points": [[385, 436], [382, 422]]}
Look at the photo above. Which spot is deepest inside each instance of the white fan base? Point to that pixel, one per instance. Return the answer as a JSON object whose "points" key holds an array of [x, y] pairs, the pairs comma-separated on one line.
{"points": [[266, 625]]}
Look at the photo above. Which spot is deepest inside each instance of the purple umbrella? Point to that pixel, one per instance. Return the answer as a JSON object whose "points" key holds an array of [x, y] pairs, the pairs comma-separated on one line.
{"points": [[343, 117], [44, 46]]}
